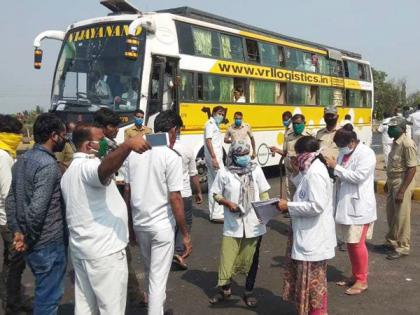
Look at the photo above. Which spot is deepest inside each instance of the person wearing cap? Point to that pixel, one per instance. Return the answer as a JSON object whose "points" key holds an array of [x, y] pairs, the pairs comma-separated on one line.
{"points": [[401, 169], [325, 136]]}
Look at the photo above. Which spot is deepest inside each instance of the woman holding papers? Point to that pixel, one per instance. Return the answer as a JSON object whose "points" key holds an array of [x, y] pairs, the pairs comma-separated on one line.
{"points": [[236, 187], [355, 202], [312, 239]]}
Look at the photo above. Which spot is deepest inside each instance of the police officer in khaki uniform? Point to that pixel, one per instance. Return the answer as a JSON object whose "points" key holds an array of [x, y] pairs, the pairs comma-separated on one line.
{"points": [[138, 128], [292, 135], [325, 136], [240, 131], [401, 169]]}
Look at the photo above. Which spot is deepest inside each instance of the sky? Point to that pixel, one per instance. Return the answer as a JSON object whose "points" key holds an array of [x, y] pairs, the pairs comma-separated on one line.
{"points": [[385, 32]]}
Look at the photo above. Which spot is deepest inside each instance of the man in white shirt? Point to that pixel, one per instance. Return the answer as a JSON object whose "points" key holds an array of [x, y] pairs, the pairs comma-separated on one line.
{"points": [[414, 119], [189, 175], [155, 181], [96, 216], [386, 139], [213, 154]]}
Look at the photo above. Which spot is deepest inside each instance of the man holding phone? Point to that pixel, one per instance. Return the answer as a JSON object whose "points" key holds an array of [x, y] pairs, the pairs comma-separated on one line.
{"points": [[155, 185]]}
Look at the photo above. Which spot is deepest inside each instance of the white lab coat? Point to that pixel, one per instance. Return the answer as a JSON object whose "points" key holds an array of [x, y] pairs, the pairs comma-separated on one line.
{"points": [[355, 202], [312, 215]]}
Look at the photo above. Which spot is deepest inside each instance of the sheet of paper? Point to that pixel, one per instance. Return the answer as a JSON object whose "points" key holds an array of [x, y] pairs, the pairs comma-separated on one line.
{"points": [[266, 210]]}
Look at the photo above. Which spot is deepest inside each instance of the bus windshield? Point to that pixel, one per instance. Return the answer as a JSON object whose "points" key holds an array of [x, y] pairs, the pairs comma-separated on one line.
{"points": [[92, 71]]}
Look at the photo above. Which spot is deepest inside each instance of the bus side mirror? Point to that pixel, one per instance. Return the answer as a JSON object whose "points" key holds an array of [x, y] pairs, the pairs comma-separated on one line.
{"points": [[132, 48], [37, 58]]}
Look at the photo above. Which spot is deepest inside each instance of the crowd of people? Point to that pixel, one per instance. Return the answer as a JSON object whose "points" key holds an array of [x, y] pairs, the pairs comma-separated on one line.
{"points": [[79, 193]]}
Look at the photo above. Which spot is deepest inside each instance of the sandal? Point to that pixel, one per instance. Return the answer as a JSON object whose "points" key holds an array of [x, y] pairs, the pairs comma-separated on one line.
{"points": [[356, 290], [250, 299], [179, 261], [345, 283], [221, 296]]}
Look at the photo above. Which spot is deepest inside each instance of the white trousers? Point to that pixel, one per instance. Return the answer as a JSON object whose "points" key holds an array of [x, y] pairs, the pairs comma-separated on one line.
{"points": [[386, 147], [416, 138], [216, 211], [157, 250], [101, 284]]}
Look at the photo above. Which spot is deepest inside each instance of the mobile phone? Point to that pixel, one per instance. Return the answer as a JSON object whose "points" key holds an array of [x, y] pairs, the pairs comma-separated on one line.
{"points": [[158, 139]]}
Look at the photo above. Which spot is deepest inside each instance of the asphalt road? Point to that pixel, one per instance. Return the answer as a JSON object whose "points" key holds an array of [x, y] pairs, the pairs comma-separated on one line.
{"points": [[393, 286]]}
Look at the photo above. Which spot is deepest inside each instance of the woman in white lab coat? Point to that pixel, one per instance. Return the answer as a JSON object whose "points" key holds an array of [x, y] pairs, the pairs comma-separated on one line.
{"points": [[355, 204], [313, 238]]}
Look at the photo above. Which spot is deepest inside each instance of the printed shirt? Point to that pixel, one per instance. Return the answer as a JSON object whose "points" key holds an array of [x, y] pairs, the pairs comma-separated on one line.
{"points": [[239, 133], [403, 155]]}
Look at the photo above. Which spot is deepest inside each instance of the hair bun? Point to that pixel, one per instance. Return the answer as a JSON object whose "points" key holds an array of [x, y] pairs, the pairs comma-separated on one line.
{"points": [[348, 127]]}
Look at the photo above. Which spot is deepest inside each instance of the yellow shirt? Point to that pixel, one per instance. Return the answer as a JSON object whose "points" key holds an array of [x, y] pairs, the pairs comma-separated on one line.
{"points": [[134, 131], [403, 155], [325, 139]]}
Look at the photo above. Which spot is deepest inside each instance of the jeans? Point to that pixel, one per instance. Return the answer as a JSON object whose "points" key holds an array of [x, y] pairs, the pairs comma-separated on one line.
{"points": [[179, 245], [13, 267], [48, 264]]}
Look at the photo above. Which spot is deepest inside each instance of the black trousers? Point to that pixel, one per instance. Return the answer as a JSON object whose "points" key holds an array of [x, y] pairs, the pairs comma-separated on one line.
{"points": [[13, 267], [252, 273]]}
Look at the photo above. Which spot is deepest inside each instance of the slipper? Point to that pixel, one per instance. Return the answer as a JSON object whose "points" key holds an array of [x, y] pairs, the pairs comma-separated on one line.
{"points": [[250, 300], [345, 283], [220, 296], [179, 261], [355, 290]]}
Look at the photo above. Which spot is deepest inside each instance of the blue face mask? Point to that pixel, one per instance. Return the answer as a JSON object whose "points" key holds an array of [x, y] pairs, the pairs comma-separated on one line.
{"points": [[243, 160], [218, 119], [138, 121], [345, 150], [238, 122], [286, 123]]}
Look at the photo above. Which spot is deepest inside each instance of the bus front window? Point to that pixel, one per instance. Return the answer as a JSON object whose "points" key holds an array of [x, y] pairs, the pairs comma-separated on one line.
{"points": [[92, 70]]}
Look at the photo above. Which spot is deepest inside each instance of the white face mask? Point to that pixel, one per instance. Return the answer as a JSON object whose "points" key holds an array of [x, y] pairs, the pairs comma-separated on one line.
{"points": [[345, 150]]}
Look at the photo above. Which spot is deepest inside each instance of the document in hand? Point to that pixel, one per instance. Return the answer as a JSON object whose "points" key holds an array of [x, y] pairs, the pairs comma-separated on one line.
{"points": [[266, 210]]}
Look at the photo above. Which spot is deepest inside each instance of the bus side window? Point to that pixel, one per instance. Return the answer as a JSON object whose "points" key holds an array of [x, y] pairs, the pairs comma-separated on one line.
{"points": [[187, 85], [336, 67], [252, 50]]}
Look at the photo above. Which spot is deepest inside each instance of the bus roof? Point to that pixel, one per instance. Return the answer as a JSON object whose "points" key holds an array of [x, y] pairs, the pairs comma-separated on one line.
{"points": [[212, 18]]}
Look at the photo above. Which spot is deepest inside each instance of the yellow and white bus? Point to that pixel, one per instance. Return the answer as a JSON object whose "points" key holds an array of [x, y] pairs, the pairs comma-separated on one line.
{"points": [[126, 60]]}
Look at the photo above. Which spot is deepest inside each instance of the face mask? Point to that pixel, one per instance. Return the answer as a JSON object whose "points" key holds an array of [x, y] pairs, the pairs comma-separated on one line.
{"points": [[238, 122], [59, 145], [286, 123], [138, 121], [242, 161], [218, 119], [331, 121], [394, 132], [103, 148], [345, 150], [298, 128]]}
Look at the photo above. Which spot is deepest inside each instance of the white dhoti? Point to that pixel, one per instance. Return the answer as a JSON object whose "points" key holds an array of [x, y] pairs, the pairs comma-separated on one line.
{"points": [[101, 284], [216, 211], [157, 250], [386, 148]]}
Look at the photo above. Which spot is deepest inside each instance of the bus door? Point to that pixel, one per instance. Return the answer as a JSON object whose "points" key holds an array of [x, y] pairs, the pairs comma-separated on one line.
{"points": [[163, 92]]}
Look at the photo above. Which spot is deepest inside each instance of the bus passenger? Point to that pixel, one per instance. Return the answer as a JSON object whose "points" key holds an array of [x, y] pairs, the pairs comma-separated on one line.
{"points": [[131, 95], [293, 135], [238, 95], [100, 88], [236, 187], [240, 131], [213, 154], [312, 234]]}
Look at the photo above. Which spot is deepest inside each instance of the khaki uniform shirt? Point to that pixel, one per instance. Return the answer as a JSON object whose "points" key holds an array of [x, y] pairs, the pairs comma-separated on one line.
{"points": [[239, 133], [403, 155], [134, 131], [289, 146], [66, 156], [326, 143]]}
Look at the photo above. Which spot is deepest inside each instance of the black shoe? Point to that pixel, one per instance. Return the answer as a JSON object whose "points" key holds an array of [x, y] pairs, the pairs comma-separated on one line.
{"points": [[384, 248], [395, 255], [342, 247]]}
